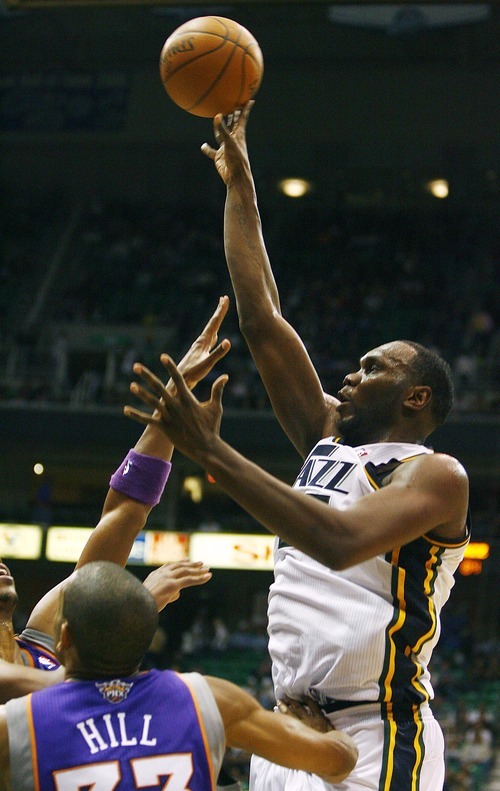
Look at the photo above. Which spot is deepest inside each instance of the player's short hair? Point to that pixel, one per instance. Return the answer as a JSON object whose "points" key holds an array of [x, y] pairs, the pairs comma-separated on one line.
{"points": [[428, 368], [111, 616]]}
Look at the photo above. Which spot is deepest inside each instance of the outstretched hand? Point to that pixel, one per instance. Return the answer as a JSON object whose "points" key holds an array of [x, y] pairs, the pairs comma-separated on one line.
{"points": [[231, 155], [203, 354], [191, 425], [166, 582]]}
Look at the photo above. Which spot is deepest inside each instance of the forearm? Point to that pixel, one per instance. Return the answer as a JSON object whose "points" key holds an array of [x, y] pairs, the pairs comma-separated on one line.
{"points": [[298, 519], [248, 263], [112, 539], [282, 740], [154, 443], [151, 443], [17, 680], [290, 743], [135, 487], [414, 504]]}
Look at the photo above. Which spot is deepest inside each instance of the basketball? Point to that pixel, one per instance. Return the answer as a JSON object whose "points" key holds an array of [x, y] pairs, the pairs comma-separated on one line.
{"points": [[211, 65]]}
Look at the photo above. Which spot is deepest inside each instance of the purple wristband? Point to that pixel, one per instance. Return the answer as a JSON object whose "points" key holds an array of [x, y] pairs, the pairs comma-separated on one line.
{"points": [[141, 477]]}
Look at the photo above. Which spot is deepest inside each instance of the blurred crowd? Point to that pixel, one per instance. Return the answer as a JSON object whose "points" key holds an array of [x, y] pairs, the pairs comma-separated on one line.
{"points": [[81, 299]]}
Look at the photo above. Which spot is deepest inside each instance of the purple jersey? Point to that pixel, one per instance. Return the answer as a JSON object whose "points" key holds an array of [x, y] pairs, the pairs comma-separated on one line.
{"points": [[156, 730], [37, 650]]}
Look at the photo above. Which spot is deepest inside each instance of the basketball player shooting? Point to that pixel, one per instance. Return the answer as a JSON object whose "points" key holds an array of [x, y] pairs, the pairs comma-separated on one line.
{"points": [[370, 534]]}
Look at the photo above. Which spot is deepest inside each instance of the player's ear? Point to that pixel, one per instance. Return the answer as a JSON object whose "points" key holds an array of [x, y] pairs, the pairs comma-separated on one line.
{"points": [[418, 397], [65, 639]]}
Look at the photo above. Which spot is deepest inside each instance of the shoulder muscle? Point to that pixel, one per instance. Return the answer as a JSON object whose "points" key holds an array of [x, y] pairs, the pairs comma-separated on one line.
{"points": [[443, 478]]}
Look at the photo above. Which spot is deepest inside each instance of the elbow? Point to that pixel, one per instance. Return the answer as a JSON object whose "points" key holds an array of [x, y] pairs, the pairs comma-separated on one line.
{"points": [[343, 563], [258, 321], [346, 758], [351, 754], [336, 558], [248, 324]]}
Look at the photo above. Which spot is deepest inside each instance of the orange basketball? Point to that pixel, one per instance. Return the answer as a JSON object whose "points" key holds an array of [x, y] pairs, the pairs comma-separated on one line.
{"points": [[211, 65]]}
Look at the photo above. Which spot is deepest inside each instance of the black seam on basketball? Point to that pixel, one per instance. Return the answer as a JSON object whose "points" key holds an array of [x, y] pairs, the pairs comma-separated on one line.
{"points": [[164, 59], [220, 74], [202, 55], [192, 60], [204, 31], [242, 80]]}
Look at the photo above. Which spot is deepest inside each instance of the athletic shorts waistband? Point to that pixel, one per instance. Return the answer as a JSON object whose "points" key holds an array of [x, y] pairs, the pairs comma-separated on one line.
{"points": [[399, 712]]}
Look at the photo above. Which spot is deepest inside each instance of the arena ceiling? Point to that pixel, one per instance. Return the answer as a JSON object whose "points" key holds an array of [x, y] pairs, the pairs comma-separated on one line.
{"points": [[288, 30], [96, 3], [338, 83]]}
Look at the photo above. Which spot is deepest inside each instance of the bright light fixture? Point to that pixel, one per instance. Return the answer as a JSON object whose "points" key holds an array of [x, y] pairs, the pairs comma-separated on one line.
{"points": [[295, 188], [192, 486], [439, 188]]}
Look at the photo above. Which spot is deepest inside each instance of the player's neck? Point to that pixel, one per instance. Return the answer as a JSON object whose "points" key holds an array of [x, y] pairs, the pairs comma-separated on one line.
{"points": [[411, 430], [402, 434], [407, 434], [9, 650], [78, 673]]}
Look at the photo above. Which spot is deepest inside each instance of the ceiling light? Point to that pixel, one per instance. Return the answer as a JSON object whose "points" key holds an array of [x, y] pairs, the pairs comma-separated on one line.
{"points": [[192, 486], [295, 188], [439, 188]]}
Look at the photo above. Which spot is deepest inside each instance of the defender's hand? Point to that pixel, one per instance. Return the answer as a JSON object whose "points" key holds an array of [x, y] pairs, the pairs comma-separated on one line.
{"points": [[203, 354], [166, 582], [190, 425], [307, 711]]}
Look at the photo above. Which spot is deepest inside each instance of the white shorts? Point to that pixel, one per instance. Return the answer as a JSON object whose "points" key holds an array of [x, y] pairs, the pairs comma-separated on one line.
{"points": [[407, 756]]}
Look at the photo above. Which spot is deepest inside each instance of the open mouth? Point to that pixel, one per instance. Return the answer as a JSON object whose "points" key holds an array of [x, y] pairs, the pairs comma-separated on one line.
{"points": [[5, 572]]}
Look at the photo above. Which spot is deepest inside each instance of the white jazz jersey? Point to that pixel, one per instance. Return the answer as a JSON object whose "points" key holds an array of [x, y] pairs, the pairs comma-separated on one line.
{"points": [[367, 633]]}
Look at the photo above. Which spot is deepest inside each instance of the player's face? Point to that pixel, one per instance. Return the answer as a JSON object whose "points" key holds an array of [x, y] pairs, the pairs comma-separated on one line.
{"points": [[372, 397], [8, 594]]}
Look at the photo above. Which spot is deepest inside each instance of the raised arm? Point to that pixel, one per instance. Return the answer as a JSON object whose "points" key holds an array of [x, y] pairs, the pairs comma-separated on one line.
{"points": [[426, 495], [124, 515], [282, 740], [280, 356]]}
